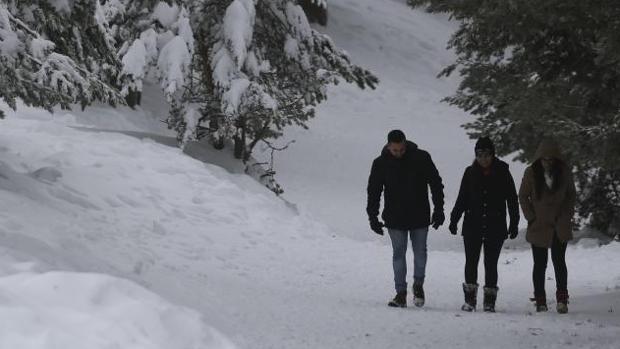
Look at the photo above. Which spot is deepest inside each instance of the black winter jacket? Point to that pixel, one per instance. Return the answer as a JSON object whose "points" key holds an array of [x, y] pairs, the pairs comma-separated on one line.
{"points": [[405, 183], [484, 199]]}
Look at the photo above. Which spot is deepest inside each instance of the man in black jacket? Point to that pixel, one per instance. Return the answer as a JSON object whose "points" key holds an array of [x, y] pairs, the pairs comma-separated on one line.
{"points": [[404, 173]]}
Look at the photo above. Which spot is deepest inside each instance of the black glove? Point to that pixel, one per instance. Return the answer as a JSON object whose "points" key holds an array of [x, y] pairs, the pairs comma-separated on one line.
{"points": [[453, 229], [437, 219], [376, 226], [513, 231]]}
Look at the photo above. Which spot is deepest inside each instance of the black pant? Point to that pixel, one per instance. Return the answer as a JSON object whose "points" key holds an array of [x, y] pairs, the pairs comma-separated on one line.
{"points": [[558, 257], [492, 249]]}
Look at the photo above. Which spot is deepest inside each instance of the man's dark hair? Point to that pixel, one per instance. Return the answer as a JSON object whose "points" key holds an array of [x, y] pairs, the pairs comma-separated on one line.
{"points": [[396, 136]]}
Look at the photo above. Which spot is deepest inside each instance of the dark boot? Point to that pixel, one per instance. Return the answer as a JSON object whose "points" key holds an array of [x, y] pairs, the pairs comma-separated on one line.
{"points": [[471, 293], [490, 295], [400, 300], [541, 303], [561, 297], [418, 294]]}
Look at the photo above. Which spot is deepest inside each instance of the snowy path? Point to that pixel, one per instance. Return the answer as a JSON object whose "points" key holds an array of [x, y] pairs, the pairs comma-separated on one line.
{"points": [[343, 305]]}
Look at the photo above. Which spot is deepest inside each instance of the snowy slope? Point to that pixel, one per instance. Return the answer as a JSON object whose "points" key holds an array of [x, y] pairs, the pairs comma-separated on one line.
{"points": [[67, 310], [79, 201]]}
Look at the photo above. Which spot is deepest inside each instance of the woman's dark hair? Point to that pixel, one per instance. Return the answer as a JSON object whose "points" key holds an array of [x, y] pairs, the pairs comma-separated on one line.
{"points": [[539, 176]]}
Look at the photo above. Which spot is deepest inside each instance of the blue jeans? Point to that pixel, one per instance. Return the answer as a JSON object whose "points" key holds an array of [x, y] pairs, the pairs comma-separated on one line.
{"points": [[399, 262]]}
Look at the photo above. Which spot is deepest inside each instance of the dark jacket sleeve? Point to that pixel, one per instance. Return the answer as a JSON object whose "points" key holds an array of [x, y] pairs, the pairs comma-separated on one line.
{"points": [[512, 200], [374, 189], [434, 181], [462, 200]]}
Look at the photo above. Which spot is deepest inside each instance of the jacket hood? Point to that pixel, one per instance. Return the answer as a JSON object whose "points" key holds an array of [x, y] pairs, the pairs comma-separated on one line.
{"points": [[548, 148], [411, 147]]}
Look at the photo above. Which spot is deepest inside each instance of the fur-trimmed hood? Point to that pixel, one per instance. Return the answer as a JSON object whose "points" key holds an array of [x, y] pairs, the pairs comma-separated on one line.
{"points": [[548, 148]]}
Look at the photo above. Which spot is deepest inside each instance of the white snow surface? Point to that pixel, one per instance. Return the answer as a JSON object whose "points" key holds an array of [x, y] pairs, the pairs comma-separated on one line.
{"points": [[166, 15], [40, 47], [119, 239], [9, 42], [63, 6], [68, 310], [135, 60], [173, 65], [169, 52], [238, 29]]}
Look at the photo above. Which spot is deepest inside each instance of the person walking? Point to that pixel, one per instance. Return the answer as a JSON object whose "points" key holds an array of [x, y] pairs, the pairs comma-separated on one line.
{"points": [[404, 173], [547, 196], [487, 188]]}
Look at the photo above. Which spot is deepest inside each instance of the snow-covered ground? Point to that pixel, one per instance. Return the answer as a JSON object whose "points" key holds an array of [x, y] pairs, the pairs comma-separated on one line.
{"points": [[117, 240], [66, 310], [257, 271]]}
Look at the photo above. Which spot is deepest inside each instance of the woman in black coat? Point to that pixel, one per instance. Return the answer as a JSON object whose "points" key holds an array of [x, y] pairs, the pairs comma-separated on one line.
{"points": [[486, 189]]}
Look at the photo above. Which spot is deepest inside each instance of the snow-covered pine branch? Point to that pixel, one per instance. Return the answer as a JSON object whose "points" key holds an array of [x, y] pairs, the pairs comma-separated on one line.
{"points": [[34, 71], [262, 67], [154, 41]]}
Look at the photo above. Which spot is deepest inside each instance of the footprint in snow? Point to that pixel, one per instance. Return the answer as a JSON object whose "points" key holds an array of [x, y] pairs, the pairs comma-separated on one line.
{"points": [[47, 174]]}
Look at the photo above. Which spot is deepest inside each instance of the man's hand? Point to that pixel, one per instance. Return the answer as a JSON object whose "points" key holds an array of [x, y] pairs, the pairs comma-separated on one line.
{"points": [[513, 231], [376, 226], [453, 228], [437, 219]]}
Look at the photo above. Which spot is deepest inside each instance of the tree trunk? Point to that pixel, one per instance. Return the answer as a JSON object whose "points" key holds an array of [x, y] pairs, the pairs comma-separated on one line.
{"points": [[133, 98], [239, 145], [239, 139]]}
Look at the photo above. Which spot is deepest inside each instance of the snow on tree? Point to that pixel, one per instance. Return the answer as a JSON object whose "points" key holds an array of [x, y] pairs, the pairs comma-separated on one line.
{"points": [[259, 68], [155, 42], [36, 70], [238, 71]]}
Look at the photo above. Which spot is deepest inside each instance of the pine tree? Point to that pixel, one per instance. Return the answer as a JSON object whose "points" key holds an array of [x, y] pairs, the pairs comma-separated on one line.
{"points": [[259, 67], [42, 72], [544, 68]]}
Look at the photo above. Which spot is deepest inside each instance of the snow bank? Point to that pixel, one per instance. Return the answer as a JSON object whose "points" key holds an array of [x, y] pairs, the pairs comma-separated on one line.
{"points": [[110, 203], [68, 310]]}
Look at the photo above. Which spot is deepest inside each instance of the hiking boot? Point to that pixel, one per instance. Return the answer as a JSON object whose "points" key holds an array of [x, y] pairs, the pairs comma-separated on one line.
{"points": [[561, 297], [490, 295], [418, 294], [399, 301], [541, 303], [471, 293]]}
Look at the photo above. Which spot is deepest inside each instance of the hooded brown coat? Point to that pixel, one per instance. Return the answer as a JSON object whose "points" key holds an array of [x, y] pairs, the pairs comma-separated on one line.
{"points": [[551, 211]]}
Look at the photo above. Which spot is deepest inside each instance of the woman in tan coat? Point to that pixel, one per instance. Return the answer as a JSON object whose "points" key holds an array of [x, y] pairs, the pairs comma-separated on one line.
{"points": [[547, 197]]}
